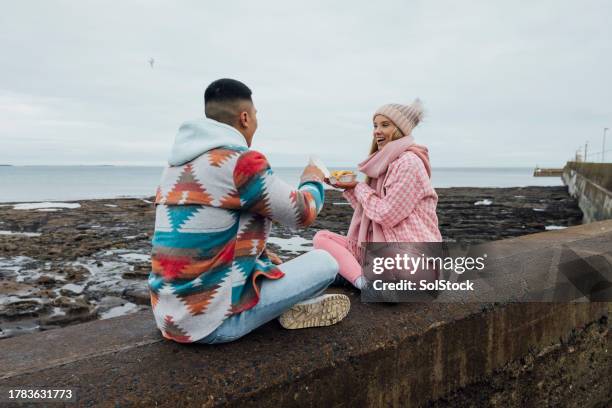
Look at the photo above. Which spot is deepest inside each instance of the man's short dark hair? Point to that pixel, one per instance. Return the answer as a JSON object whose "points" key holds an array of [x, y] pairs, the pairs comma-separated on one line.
{"points": [[224, 99]]}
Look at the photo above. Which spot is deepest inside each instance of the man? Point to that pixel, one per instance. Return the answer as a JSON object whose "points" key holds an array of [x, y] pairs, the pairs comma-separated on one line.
{"points": [[212, 280]]}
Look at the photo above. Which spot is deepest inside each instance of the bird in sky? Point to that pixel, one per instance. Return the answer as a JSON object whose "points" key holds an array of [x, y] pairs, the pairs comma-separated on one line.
{"points": [[151, 62]]}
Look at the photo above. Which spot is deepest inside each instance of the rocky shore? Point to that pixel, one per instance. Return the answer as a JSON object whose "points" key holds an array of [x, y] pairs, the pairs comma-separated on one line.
{"points": [[65, 263]]}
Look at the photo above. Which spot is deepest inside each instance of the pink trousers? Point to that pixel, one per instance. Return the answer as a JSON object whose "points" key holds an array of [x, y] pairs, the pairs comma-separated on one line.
{"points": [[349, 267], [337, 246]]}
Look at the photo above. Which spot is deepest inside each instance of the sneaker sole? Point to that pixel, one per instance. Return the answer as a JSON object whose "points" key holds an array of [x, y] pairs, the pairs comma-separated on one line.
{"points": [[329, 311]]}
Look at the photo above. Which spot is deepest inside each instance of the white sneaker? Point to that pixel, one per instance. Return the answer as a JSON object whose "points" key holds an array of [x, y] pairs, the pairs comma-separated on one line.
{"points": [[323, 310]]}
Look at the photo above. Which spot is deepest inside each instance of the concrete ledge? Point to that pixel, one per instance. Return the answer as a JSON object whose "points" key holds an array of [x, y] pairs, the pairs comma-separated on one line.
{"points": [[591, 183], [598, 173], [381, 355]]}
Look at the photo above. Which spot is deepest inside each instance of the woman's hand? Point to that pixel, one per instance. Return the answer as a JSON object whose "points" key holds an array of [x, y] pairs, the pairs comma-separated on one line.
{"points": [[341, 185]]}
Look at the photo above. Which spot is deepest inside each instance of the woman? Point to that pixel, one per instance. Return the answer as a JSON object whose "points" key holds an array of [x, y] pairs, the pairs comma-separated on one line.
{"points": [[396, 203]]}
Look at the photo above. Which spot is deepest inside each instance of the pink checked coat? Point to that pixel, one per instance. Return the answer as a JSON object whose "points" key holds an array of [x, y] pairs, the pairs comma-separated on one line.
{"points": [[407, 209]]}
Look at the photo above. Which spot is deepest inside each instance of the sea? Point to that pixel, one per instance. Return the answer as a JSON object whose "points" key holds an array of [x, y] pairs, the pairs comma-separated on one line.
{"points": [[69, 183]]}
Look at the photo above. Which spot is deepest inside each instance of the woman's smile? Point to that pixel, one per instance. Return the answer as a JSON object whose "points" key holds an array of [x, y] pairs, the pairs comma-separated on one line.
{"points": [[383, 130]]}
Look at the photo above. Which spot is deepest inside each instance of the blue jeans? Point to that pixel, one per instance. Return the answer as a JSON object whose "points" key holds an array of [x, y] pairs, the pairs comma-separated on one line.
{"points": [[306, 276]]}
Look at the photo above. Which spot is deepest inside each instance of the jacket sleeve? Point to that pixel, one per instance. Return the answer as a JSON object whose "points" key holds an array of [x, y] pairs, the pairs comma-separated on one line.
{"points": [[350, 197], [404, 189], [264, 193]]}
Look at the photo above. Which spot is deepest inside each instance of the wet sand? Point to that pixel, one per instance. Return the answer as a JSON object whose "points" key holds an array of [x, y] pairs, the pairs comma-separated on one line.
{"points": [[90, 259]]}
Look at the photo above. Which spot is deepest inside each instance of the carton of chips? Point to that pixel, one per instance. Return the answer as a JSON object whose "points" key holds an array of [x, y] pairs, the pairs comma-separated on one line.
{"points": [[342, 176]]}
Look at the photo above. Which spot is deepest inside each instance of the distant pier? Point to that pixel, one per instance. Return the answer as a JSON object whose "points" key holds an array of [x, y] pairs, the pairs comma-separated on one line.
{"points": [[547, 172]]}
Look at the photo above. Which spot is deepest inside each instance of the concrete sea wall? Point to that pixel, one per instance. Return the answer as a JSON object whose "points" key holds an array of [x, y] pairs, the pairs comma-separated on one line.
{"points": [[591, 183], [409, 354]]}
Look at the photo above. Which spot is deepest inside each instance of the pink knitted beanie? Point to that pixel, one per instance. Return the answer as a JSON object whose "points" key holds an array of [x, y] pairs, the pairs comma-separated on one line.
{"points": [[405, 117]]}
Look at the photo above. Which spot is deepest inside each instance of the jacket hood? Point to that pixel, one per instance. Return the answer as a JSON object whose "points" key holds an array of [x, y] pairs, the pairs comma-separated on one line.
{"points": [[200, 135]]}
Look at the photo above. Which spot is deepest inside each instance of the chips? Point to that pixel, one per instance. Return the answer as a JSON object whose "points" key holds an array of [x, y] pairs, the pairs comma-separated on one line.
{"points": [[340, 173], [342, 176]]}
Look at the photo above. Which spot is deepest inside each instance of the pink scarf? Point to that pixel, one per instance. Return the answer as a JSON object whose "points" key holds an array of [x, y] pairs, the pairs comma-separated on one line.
{"points": [[363, 229]]}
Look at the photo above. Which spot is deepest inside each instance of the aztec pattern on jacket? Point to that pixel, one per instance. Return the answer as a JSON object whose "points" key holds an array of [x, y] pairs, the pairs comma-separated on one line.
{"points": [[213, 217]]}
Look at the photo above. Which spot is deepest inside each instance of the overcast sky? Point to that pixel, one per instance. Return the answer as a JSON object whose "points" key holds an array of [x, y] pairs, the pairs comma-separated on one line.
{"points": [[504, 83]]}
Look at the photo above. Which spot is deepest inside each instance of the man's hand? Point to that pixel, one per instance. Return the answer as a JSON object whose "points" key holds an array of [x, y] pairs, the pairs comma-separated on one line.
{"points": [[275, 259], [312, 173]]}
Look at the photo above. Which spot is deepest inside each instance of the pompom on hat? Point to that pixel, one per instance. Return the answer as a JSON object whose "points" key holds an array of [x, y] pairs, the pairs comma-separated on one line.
{"points": [[405, 117]]}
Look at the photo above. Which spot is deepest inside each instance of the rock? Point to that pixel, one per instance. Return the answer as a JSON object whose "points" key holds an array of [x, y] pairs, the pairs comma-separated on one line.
{"points": [[48, 322], [114, 305], [8, 287], [71, 305], [68, 311], [47, 293], [46, 280], [108, 302], [21, 308], [71, 289], [140, 271], [139, 296], [75, 273]]}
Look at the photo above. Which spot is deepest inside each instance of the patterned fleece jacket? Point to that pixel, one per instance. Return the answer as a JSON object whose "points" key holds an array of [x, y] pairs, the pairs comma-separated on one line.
{"points": [[214, 208]]}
